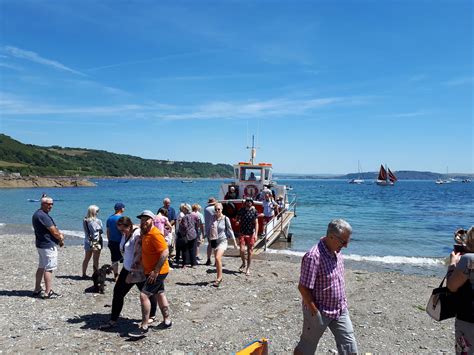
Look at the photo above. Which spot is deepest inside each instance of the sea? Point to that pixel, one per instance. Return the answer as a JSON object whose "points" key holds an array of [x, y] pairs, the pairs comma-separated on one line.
{"points": [[404, 228]]}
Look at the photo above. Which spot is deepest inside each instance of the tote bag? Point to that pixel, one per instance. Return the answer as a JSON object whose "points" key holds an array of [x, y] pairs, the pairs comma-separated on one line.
{"points": [[442, 303]]}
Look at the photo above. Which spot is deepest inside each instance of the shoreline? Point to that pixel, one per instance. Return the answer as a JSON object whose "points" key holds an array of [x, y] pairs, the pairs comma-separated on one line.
{"points": [[265, 304], [404, 265]]}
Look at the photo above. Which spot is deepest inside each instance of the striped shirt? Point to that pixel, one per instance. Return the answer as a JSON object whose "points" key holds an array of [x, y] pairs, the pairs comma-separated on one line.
{"points": [[323, 273]]}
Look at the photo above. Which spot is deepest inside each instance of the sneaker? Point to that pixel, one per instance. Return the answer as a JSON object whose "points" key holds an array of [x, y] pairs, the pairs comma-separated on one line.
{"points": [[52, 295], [139, 333], [164, 325]]}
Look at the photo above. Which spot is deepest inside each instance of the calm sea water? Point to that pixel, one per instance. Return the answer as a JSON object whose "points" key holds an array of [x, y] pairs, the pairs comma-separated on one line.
{"points": [[410, 223]]}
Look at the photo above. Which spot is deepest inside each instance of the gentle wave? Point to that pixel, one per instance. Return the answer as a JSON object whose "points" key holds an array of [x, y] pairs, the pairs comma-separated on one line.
{"points": [[389, 259], [78, 234]]}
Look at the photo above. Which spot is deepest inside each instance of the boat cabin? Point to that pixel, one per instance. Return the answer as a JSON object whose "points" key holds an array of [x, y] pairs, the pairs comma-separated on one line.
{"points": [[251, 180]]}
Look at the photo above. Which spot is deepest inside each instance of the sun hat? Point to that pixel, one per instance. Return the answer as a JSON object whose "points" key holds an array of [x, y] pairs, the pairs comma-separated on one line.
{"points": [[211, 200], [146, 213], [119, 206]]}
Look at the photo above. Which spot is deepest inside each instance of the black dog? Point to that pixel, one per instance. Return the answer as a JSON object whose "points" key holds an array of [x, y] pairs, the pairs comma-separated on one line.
{"points": [[99, 277]]}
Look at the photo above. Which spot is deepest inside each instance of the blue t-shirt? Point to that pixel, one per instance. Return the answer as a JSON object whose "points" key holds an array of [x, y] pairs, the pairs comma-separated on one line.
{"points": [[171, 214], [114, 234], [41, 222]]}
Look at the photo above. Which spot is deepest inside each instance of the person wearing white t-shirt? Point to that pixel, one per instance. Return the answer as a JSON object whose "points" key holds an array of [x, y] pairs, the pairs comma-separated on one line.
{"points": [[130, 236]]}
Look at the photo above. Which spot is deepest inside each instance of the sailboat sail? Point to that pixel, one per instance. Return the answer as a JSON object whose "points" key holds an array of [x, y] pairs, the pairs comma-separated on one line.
{"points": [[391, 176], [382, 173]]}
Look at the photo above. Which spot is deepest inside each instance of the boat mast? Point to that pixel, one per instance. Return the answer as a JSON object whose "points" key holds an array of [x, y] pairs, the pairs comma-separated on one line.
{"points": [[253, 151]]}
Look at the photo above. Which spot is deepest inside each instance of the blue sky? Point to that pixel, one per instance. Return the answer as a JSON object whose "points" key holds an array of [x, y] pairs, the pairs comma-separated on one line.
{"points": [[322, 84]]}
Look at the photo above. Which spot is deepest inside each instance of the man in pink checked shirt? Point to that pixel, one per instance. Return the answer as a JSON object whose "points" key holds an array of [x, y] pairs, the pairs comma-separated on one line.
{"points": [[322, 288]]}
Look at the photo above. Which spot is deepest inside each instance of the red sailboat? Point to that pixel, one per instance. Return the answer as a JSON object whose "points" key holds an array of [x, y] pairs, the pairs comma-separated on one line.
{"points": [[386, 177]]}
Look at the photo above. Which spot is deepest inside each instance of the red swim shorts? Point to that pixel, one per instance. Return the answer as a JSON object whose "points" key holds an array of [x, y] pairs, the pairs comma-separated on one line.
{"points": [[246, 240]]}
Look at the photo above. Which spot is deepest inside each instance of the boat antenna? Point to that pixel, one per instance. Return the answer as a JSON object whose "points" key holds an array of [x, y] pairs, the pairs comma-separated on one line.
{"points": [[253, 151]]}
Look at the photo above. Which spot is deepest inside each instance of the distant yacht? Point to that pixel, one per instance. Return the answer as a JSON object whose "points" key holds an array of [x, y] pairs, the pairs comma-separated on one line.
{"points": [[187, 181], [357, 181], [386, 177]]}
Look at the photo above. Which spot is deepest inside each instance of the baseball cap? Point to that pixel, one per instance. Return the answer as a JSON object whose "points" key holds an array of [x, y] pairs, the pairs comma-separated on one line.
{"points": [[146, 213], [119, 206]]}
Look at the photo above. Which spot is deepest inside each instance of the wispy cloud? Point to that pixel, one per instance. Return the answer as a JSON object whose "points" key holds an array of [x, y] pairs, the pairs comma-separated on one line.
{"points": [[406, 114], [36, 58], [150, 60], [460, 81], [280, 107], [10, 66]]}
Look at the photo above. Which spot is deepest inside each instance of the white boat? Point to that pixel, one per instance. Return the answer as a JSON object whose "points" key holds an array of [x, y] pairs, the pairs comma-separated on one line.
{"points": [[250, 180], [386, 177], [357, 181], [187, 181]]}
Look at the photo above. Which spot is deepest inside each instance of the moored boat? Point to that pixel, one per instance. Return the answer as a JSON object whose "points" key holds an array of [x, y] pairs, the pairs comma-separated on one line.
{"points": [[253, 179]]}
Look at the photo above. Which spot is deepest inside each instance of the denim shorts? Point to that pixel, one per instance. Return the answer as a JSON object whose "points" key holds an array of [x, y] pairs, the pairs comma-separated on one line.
{"points": [[157, 287]]}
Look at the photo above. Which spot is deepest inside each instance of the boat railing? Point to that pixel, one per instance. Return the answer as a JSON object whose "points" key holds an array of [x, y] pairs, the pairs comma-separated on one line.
{"points": [[277, 222]]}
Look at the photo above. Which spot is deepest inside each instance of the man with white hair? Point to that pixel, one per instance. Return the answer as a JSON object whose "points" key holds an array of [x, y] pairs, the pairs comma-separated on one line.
{"points": [[322, 288], [47, 238]]}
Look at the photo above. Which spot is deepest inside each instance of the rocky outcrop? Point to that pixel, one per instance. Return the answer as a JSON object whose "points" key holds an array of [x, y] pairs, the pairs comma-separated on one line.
{"points": [[34, 181]]}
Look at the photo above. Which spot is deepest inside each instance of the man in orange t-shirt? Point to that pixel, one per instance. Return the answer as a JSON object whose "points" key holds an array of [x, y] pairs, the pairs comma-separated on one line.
{"points": [[156, 268]]}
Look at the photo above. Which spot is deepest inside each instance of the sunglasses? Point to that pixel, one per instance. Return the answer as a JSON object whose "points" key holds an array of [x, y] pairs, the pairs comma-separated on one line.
{"points": [[218, 209], [342, 241]]}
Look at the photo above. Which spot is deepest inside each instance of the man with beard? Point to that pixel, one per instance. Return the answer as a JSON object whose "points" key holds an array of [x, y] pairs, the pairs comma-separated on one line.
{"points": [[154, 252], [323, 291]]}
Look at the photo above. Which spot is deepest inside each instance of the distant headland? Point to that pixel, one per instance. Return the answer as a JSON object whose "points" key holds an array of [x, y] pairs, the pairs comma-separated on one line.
{"points": [[75, 164]]}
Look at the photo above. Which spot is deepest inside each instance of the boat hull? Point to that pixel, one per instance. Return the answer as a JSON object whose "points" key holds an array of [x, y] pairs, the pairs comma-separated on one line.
{"points": [[384, 183]]}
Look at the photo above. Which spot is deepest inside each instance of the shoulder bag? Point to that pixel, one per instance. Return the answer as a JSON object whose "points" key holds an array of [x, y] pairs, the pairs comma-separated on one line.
{"points": [[442, 303]]}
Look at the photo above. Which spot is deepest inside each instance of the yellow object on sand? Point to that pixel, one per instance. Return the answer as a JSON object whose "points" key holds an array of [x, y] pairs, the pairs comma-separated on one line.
{"points": [[258, 347]]}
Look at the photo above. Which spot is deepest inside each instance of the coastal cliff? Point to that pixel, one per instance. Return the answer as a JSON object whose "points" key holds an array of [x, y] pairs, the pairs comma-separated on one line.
{"points": [[29, 181]]}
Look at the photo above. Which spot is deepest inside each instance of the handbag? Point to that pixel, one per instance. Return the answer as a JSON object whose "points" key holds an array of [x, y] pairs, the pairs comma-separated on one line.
{"points": [[442, 303]]}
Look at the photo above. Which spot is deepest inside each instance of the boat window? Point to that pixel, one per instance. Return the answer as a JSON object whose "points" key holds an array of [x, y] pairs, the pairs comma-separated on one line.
{"points": [[250, 174], [267, 174], [236, 173]]}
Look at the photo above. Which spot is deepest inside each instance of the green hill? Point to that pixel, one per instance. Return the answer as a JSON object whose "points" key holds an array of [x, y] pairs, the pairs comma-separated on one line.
{"points": [[30, 159]]}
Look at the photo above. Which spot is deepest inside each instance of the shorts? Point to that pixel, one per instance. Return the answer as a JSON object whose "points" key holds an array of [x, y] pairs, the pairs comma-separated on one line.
{"points": [[246, 240], [115, 254], [48, 258], [155, 288], [219, 244]]}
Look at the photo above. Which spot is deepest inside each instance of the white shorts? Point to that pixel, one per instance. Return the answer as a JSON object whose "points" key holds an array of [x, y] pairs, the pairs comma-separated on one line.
{"points": [[48, 258], [222, 245]]}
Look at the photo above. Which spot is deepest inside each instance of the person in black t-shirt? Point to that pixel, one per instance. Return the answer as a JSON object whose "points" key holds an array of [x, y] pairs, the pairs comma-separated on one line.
{"points": [[247, 219]]}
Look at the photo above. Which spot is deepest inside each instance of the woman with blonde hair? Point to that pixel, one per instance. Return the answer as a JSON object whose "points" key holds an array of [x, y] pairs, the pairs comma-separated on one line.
{"points": [[221, 230], [93, 242]]}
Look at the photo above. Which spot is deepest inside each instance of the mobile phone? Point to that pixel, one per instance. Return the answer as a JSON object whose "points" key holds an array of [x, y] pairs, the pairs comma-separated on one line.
{"points": [[458, 248]]}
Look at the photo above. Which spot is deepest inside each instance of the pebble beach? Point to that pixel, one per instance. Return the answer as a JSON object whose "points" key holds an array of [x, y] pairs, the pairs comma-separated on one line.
{"points": [[387, 309]]}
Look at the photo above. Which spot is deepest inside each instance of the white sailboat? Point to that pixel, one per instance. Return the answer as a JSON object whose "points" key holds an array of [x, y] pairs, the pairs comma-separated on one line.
{"points": [[359, 180]]}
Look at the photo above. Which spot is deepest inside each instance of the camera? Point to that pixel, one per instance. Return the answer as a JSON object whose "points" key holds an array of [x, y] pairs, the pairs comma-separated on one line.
{"points": [[459, 248]]}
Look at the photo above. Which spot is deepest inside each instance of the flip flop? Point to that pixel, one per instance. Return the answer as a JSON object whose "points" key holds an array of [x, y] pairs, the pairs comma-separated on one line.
{"points": [[248, 273], [242, 268], [217, 283]]}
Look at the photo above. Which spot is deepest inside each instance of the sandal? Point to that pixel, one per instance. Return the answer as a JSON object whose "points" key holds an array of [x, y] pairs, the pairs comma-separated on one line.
{"points": [[108, 325], [151, 320], [217, 283], [242, 268], [247, 273]]}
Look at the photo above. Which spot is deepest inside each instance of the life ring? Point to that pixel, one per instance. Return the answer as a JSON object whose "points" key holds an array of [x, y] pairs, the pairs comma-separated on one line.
{"points": [[251, 191]]}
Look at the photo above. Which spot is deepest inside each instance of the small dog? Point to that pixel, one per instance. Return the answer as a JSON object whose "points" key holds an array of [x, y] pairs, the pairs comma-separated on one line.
{"points": [[99, 277]]}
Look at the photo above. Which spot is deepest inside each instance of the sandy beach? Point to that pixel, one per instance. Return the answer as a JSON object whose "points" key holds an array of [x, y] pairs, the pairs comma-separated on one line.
{"points": [[387, 309]]}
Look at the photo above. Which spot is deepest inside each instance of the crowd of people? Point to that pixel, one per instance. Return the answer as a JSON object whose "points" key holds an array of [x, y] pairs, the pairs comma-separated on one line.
{"points": [[146, 249]]}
